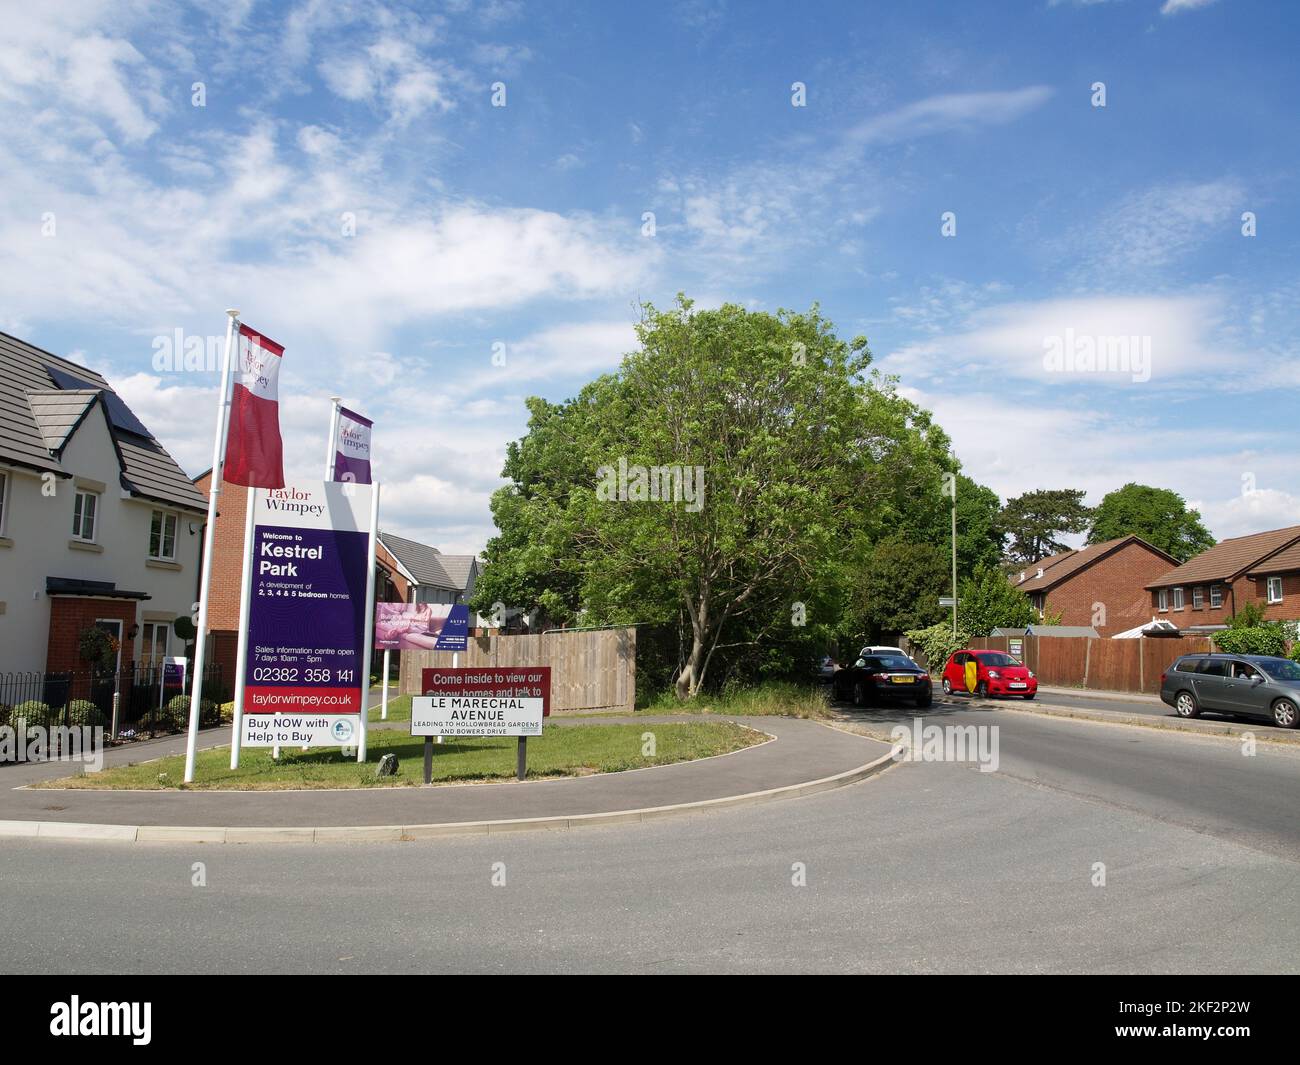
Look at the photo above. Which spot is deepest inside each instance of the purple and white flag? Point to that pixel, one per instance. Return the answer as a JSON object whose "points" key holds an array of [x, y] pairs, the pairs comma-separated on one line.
{"points": [[352, 448]]}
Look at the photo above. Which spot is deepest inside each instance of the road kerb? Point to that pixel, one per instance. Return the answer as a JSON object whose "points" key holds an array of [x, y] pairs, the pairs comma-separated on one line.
{"points": [[1194, 727], [393, 833]]}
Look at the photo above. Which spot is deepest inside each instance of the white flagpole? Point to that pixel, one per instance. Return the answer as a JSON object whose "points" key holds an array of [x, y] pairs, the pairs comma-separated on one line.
{"points": [[209, 538], [245, 605], [369, 626], [333, 438]]}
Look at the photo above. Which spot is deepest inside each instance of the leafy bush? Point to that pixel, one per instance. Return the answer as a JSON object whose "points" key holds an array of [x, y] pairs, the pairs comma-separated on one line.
{"points": [[1266, 639], [32, 711], [83, 712], [936, 643], [176, 714]]}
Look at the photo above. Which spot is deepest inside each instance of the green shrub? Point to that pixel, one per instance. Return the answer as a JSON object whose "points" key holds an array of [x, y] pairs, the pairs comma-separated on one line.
{"points": [[176, 714], [82, 712], [936, 643], [1268, 638], [33, 711]]}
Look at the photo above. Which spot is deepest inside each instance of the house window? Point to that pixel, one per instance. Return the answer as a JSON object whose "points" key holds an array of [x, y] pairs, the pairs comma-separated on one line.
{"points": [[84, 509], [1275, 589], [1178, 599], [153, 646], [1162, 597], [1216, 596], [162, 535], [1198, 598]]}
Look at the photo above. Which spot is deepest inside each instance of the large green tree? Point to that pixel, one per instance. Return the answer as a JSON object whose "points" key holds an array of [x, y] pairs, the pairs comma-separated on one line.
{"points": [[807, 458], [987, 600], [1158, 515], [1035, 521], [901, 586]]}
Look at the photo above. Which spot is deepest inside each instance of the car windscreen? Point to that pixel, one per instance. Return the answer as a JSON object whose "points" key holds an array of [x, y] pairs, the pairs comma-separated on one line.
{"points": [[1280, 668], [895, 662], [997, 659]]}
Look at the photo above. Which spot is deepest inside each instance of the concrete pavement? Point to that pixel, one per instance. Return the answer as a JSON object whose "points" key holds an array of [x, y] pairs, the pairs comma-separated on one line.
{"points": [[805, 756], [927, 868]]}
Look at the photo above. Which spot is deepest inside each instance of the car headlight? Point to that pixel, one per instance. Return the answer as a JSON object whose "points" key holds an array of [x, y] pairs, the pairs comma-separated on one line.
{"points": [[993, 674], [1031, 673]]}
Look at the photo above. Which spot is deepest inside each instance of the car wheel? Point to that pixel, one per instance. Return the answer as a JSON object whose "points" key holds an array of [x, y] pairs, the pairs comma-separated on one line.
{"points": [[1186, 706], [1285, 714], [859, 696], [982, 690], [923, 702], [947, 686]]}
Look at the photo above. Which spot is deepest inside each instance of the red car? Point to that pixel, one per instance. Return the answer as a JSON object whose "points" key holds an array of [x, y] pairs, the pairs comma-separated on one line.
{"points": [[988, 673]]}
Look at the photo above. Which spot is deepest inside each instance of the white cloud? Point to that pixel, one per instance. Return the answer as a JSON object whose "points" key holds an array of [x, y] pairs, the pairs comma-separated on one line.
{"points": [[1173, 7], [1014, 341], [66, 55], [949, 112]]}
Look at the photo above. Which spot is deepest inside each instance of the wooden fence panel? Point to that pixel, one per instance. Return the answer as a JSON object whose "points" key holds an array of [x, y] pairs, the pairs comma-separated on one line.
{"points": [[589, 670]]}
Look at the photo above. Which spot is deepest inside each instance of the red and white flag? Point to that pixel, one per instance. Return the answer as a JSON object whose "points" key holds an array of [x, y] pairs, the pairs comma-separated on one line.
{"points": [[254, 455]]}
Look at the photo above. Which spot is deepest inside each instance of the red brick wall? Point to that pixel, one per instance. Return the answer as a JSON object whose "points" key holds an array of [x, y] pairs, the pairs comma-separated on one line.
{"points": [[1245, 590], [1116, 582], [67, 619]]}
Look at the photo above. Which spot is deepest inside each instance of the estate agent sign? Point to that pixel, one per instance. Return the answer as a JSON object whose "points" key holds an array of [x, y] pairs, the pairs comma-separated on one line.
{"points": [[482, 701], [307, 625]]}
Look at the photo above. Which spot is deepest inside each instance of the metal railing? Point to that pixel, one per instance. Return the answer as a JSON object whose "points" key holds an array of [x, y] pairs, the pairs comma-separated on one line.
{"points": [[128, 703]]}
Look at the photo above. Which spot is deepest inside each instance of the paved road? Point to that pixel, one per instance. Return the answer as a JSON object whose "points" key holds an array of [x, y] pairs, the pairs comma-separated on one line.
{"points": [[929, 867]]}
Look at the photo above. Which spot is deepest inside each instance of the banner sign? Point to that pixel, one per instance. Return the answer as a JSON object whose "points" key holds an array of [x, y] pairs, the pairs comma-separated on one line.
{"points": [[482, 701], [352, 448], [174, 672], [306, 625], [421, 626]]}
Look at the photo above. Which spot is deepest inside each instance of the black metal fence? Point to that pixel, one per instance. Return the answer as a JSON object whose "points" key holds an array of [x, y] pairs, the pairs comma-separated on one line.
{"points": [[83, 697]]}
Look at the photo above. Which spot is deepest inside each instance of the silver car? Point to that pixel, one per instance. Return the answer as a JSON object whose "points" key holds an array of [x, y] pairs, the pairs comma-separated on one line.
{"points": [[1245, 685]]}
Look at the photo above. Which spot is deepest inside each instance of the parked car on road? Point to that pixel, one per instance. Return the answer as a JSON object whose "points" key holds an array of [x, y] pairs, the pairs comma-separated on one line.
{"points": [[984, 673], [824, 667], [1246, 685], [874, 679]]}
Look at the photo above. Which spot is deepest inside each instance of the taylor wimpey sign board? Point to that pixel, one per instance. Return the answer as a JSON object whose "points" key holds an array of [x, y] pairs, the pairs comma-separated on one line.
{"points": [[352, 447], [482, 701], [306, 623]]}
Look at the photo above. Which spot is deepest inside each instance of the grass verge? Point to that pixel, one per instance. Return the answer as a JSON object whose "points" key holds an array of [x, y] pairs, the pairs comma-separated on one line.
{"points": [[560, 751], [772, 699]]}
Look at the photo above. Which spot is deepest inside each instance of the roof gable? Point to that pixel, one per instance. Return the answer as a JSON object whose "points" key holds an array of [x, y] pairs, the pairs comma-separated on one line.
{"points": [[1081, 559], [1228, 559], [37, 419]]}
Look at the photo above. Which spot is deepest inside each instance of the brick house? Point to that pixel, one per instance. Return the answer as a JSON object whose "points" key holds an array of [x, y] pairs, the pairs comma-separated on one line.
{"points": [[98, 524], [1205, 591], [405, 571], [1100, 585]]}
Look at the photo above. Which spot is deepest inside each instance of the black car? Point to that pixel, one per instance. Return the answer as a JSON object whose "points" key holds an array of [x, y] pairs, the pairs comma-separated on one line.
{"points": [[878, 679]]}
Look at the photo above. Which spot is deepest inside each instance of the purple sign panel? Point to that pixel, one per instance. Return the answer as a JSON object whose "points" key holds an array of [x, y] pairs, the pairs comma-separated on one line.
{"points": [[352, 448], [306, 624]]}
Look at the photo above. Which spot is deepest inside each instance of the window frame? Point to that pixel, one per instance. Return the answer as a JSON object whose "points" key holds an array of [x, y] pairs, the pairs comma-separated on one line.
{"points": [[79, 515], [1198, 598], [5, 481], [1162, 600], [1216, 592], [164, 516], [1268, 590], [1179, 598]]}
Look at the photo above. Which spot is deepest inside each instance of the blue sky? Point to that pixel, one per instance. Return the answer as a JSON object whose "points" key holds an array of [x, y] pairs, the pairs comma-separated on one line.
{"points": [[128, 213]]}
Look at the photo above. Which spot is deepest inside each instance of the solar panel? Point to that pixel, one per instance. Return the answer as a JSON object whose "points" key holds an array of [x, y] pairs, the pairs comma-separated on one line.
{"points": [[119, 414]]}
